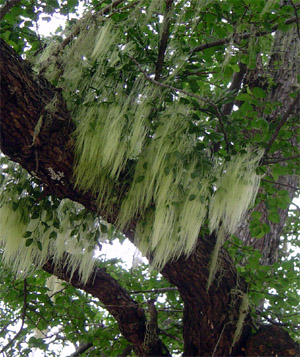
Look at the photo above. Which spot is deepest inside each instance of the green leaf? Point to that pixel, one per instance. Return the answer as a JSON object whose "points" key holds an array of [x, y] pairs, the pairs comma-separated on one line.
{"points": [[258, 92], [28, 242], [103, 228], [27, 234], [192, 197], [39, 245], [274, 217]]}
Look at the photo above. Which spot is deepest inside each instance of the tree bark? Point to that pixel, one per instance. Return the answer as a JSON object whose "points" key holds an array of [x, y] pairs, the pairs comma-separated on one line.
{"points": [[210, 317]]}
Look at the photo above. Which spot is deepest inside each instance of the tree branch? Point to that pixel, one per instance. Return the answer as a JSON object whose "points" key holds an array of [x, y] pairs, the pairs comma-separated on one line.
{"points": [[7, 6], [282, 122], [241, 36], [282, 184], [269, 161], [129, 315], [81, 349], [164, 40], [150, 79], [154, 291]]}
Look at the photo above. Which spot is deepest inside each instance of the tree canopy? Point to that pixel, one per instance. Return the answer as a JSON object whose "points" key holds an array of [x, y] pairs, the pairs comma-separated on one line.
{"points": [[174, 124]]}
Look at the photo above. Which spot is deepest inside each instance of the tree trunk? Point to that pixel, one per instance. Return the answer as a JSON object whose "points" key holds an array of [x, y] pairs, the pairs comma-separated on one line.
{"points": [[42, 143]]}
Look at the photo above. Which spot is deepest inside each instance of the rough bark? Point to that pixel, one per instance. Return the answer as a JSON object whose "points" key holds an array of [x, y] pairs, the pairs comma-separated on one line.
{"points": [[129, 315], [283, 68], [210, 317]]}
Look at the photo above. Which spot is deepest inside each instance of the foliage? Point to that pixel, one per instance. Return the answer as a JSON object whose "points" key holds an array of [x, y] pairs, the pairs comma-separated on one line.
{"points": [[75, 317], [160, 135]]}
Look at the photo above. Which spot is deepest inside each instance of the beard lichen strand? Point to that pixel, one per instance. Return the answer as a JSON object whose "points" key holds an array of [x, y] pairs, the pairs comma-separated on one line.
{"points": [[24, 260], [236, 190], [112, 129]]}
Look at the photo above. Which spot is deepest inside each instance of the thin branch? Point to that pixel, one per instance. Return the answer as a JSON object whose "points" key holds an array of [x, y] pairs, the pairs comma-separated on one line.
{"points": [[162, 332], [164, 39], [283, 121], [125, 8], [81, 349], [241, 36], [297, 207], [270, 161], [296, 15], [77, 29], [7, 6], [281, 184], [202, 99], [154, 291], [219, 339], [277, 323], [22, 319]]}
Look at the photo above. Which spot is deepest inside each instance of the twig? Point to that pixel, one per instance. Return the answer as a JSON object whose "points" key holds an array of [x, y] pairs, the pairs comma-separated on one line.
{"points": [[282, 122], [102, 12], [296, 14], [219, 339], [154, 291], [283, 324], [164, 40], [203, 99], [7, 6], [162, 332], [282, 184], [241, 36], [22, 319], [270, 161], [125, 8], [297, 207], [81, 349]]}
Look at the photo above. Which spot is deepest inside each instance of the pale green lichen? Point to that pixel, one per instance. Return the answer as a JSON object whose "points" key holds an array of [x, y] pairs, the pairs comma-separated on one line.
{"points": [[116, 125]]}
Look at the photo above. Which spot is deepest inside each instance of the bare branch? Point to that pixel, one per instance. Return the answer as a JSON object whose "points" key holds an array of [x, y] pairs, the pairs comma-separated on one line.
{"points": [[81, 349], [269, 161], [7, 6], [282, 184], [162, 332], [283, 121], [241, 36], [163, 40], [154, 291]]}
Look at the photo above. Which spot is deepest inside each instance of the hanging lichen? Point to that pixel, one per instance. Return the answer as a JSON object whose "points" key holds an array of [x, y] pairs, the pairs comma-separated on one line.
{"points": [[124, 120], [28, 244]]}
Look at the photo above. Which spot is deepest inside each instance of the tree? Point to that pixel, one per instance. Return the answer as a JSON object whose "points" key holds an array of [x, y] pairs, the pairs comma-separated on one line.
{"points": [[173, 124]]}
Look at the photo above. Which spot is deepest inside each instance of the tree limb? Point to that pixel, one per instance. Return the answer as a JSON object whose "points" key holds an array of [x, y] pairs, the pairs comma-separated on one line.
{"points": [[129, 315], [164, 39]]}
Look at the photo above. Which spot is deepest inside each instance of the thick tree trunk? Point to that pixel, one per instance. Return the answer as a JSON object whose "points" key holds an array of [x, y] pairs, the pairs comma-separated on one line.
{"points": [[42, 143]]}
